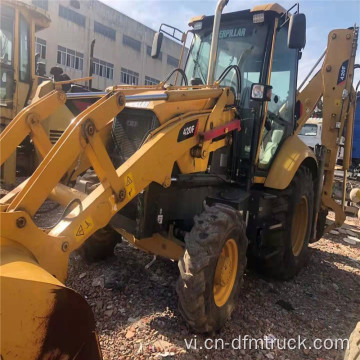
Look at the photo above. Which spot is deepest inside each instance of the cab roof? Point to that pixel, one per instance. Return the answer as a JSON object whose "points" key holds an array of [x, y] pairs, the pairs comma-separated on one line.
{"points": [[269, 7], [272, 7], [40, 17]]}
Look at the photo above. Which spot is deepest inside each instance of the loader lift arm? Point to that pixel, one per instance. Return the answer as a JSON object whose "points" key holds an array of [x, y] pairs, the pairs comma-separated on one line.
{"points": [[118, 186], [46, 254], [333, 82]]}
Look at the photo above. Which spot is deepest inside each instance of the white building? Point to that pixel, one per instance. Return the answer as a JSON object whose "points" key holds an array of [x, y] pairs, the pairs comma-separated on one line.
{"points": [[122, 52]]}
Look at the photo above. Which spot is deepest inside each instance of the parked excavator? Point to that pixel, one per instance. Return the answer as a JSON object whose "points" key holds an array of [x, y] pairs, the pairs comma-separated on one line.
{"points": [[207, 173], [24, 79]]}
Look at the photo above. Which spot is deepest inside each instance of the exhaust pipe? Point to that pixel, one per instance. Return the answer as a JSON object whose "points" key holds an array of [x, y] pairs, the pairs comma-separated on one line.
{"points": [[214, 41]]}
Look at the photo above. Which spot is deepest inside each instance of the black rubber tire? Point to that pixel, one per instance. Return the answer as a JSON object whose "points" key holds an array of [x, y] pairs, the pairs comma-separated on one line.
{"points": [[204, 243], [285, 265], [353, 353], [321, 223], [100, 246]]}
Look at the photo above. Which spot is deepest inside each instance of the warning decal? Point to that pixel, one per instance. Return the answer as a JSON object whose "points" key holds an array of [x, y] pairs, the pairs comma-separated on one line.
{"points": [[84, 228], [128, 181], [129, 185]]}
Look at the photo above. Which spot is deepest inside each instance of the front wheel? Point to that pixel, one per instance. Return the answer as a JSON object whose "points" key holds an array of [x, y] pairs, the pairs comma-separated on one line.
{"points": [[212, 268]]}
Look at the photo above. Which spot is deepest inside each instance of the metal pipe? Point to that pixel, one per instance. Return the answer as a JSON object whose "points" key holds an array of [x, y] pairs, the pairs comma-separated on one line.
{"points": [[85, 95], [312, 69], [129, 98], [183, 40], [171, 96], [146, 97], [349, 132], [91, 64], [343, 195], [214, 41]]}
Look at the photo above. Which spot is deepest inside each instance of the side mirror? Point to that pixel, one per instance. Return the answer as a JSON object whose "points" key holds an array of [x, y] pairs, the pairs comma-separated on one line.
{"points": [[260, 92], [297, 32], [156, 46]]}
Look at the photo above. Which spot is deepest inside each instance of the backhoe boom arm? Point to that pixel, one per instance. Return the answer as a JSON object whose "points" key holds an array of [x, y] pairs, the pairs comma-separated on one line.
{"points": [[333, 83]]}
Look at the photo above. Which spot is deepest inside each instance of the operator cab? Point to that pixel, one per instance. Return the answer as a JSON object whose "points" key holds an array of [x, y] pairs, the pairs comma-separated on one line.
{"points": [[257, 58], [246, 40], [257, 49]]}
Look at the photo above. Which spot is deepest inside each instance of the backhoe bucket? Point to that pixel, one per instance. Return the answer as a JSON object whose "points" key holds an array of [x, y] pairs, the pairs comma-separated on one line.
{"points": [[40, 317]]}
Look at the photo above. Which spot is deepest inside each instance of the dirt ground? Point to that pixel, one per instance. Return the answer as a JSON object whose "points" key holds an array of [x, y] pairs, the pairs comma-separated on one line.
{"points": [[136, 307], [137, 317]]}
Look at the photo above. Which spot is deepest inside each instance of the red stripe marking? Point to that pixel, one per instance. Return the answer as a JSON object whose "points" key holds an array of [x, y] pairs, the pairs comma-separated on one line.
{"points": [[221, 130]]}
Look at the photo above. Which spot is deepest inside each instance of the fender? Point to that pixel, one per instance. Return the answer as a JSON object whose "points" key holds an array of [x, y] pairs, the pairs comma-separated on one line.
{"points": [[292, 154]]}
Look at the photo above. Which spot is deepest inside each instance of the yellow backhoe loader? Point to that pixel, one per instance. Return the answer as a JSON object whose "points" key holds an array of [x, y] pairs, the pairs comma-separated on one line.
{"points": [[23, 80], [208, 173], [18, 25]]}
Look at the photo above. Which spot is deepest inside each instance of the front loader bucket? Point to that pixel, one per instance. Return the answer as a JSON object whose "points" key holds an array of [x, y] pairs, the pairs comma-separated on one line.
{"points": [[40, 317]]}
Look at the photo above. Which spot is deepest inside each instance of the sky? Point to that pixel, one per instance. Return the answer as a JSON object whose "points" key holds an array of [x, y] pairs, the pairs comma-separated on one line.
{"points": [[322, 16]]}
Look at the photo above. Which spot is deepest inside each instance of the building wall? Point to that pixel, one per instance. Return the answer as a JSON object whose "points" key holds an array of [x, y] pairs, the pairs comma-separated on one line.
{"points": [[69, 34]]}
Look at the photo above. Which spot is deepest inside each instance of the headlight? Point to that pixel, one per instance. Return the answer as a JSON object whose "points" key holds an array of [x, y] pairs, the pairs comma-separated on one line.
{"points": [[197, 25], [258, 18]]}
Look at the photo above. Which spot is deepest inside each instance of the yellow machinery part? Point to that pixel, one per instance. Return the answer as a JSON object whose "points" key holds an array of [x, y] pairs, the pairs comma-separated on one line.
{"points": [[51, 320], [157, 245], [291, 155]]}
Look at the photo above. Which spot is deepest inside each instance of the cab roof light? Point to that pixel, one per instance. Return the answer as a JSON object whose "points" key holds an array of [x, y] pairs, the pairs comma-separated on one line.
{"points": [[258, 18], [197, 25]]}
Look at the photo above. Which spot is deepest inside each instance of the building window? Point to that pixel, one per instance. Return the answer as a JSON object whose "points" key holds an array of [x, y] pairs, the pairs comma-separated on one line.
{"points": [[129, 77], [148, 51], [103, 69], [72, 15], [104, 30], [172, 61], [40, 47], [151, 81], [44, 4], [70, 58], [79, 61], [134, 44]]}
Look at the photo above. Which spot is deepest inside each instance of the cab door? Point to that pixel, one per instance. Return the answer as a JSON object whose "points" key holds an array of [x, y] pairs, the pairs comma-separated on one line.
{"points": [[279, 115]]}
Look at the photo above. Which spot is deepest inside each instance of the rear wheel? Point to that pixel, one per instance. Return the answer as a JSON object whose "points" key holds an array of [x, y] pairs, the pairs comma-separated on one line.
{"points": [[100, 245], [295, 212], [321, 223], [212, 268]]}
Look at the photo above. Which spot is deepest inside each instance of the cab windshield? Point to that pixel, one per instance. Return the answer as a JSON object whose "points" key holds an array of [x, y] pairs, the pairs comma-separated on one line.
{"points": [[241, 43]]}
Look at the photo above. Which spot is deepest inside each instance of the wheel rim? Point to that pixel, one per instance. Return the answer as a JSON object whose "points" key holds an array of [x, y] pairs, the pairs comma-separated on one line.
{"points": [[299, 226], [225, 273]]}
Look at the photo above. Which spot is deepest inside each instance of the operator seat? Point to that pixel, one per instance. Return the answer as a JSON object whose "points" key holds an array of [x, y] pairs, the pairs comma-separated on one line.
{"points": [[271, 146]]}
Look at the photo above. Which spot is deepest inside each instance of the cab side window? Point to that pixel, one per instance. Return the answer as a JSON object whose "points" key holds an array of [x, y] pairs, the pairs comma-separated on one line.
{"points": [[283, 78], [280, 112]]}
